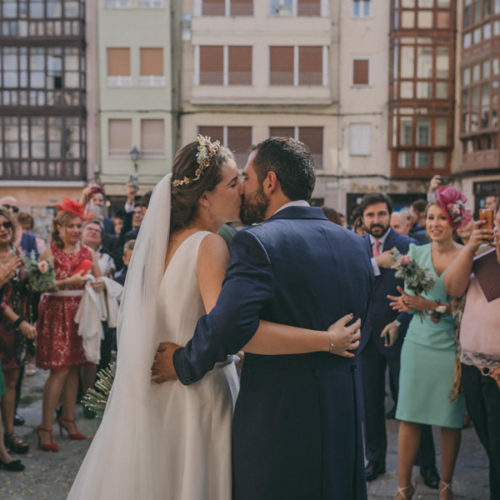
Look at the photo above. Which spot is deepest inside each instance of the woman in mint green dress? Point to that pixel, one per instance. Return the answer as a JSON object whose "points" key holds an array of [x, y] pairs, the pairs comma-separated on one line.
{"points": [[428, 353]]}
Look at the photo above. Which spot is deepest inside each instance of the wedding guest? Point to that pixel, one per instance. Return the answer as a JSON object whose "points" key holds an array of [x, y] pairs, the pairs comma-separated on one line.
{"points": [[358, 226], [480, 344], [94, 196], [92, 236], [399, 223], [118, 222], [14, 308], [27, 223], [417, 229], [59, 347], [376, 353], [464, 233], [332, 215], [429, 349], [128, 249], [491, 202]]}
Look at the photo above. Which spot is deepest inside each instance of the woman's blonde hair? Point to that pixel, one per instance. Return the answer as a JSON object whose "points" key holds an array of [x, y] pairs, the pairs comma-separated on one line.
{"points": [[62, 219]]}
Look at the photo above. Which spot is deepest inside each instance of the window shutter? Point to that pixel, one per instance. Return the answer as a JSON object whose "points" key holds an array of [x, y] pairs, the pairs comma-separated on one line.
{"points": [[240, 65], [152, 137], [310, 65], [361, 72], [281, 65], [312, 137], [119, 137], [118, 61], [151, 62], [211, 65]]}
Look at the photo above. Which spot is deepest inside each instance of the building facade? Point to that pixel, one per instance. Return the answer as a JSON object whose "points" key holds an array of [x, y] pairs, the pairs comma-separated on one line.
{"points": [[44, 135], [135, 95]]}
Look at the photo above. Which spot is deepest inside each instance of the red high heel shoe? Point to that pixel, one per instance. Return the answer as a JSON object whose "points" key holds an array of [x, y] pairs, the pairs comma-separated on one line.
{"points": [[74, 435], [52, 446]]}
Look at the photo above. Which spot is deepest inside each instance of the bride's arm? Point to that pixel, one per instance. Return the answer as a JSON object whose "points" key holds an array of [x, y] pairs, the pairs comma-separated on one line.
{"points": [[271, 338]]}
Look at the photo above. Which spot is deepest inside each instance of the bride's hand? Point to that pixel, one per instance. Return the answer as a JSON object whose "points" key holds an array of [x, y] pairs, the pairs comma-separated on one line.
{"points": [[345, 338], [163, 366]]}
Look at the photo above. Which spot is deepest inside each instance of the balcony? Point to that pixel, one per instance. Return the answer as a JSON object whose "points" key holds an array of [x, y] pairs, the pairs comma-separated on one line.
{"points": [[42, 170], [481, 160]]}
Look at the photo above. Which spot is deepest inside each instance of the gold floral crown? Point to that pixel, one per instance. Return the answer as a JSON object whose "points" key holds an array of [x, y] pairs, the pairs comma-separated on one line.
{"points": [[206, 151]]}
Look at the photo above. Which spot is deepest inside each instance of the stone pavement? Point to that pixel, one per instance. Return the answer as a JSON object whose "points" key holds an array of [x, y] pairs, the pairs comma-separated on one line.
{"points": [[50, 475]]}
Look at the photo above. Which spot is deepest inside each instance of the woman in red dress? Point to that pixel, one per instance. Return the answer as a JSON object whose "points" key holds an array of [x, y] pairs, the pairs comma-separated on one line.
{"points": [[59, 347]]}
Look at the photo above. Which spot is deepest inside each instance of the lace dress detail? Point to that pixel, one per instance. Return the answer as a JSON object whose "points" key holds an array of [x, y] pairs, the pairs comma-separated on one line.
{"points": [[58, 343]]}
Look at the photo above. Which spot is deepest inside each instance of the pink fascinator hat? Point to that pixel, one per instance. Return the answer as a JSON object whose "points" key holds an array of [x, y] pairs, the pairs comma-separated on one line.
{"points": [[452, 203]]}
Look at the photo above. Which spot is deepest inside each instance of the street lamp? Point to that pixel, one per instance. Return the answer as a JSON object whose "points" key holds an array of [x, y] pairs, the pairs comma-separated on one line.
{"points": [[135, 154]]}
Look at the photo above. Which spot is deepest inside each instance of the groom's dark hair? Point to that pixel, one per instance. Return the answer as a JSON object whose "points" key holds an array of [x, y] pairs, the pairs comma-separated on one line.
{"points": [[292, 163]]}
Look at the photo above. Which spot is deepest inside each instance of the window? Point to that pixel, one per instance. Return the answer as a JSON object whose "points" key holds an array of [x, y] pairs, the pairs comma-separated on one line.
{"points": [[310, 65], [308, 7], [211, 65], [281, 8], [298, 66], [360, 139], [237, 139], [152, 138], [360, 71], [119, 137], [227, 7], [239, 65], [286, 8], [225, 65], [119, 67], [312, 137], [151, 4], [152, 72], [118, 4], [282, 65], [361, 8]]}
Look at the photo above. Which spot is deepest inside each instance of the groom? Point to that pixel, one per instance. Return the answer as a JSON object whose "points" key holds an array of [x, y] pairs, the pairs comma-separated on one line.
{"points": [[297, 422]]}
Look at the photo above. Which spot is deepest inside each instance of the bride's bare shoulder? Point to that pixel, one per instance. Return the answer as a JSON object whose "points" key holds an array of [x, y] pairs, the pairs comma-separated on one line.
{"points": [[213, 249]]}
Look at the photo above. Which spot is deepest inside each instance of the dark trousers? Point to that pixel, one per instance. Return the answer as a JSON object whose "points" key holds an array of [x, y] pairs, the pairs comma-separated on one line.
{"points": [[373, 366], [483, 403]]}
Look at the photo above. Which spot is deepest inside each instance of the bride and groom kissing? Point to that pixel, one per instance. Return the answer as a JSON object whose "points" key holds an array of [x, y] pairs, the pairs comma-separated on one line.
{"points": [[288, 297]]}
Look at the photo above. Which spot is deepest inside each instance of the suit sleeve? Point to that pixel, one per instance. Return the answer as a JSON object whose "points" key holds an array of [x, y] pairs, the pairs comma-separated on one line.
{"points": [[234, 320]]}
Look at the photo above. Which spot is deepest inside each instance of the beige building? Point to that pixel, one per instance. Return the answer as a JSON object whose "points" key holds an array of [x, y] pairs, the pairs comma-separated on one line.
{"points": [[252, 69], [135, 103]]}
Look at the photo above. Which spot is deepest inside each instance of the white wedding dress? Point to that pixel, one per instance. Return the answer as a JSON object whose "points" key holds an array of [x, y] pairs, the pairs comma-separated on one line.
{"points": [[166, 441]]}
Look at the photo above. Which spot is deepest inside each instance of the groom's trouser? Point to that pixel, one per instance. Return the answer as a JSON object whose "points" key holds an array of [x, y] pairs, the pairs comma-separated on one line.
{"points": [[373, 366]]}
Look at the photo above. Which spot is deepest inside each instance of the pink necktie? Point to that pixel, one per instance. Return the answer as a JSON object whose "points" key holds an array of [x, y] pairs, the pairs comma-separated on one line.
{"points": [[376, 248]]}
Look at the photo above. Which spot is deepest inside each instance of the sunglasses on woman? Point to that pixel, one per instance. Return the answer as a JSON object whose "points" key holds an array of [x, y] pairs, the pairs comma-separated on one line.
{"points": [[11, 207], [6, 225]]}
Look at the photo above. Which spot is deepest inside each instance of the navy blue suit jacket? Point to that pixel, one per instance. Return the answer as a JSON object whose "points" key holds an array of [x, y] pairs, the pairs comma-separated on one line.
{"points": [[380, 313], [297, 423]]}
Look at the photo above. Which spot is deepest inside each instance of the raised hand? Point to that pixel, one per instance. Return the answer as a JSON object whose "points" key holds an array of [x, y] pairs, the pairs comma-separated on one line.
{"points": [[345, 338], [163, 366], [479, 236]]}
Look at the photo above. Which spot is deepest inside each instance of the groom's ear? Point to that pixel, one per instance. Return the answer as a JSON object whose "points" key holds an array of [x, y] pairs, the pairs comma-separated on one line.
{"points": [[271, 183]]}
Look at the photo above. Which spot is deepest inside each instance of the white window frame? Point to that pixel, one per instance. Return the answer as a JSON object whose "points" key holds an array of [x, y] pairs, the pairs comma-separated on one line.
{"points": [[152, 81], [362, 16], [352, 149], [351, 76], [198, 10], [151, 4], [324, 9]]}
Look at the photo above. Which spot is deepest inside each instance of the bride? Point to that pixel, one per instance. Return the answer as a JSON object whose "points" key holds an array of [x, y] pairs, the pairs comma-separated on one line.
{"points": [[170, 441]]}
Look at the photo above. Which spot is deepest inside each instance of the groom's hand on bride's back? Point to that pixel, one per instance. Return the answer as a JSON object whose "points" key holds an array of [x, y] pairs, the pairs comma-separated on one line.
{"points": [[163, 366]]}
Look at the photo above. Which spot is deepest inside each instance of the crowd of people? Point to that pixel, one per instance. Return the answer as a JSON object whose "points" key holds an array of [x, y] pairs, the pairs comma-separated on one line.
{"points": [[441, 346]]}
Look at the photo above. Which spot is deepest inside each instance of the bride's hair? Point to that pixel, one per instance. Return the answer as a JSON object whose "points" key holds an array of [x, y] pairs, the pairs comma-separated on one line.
{"points": [[185, 197]]}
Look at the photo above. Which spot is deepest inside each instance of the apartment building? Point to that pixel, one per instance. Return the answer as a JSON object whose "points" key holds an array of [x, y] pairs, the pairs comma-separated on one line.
{"points": [[135, 95], [479, 89], [45, 141], [252, 69]]}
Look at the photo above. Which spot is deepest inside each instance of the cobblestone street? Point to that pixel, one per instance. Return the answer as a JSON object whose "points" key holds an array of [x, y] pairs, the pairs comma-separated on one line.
{"points": [[49, 475]]}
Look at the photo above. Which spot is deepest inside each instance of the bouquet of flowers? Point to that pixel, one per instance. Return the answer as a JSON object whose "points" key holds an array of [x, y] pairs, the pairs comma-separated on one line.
{"points": [[417, 279], [95, 399], [40, 275]]}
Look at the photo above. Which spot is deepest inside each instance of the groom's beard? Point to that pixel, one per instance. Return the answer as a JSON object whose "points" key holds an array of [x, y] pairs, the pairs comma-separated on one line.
{"points": [[254, 207]]}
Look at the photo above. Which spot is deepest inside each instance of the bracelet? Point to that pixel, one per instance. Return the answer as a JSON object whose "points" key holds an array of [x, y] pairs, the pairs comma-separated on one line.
{"points": [[18, 321], [330, 336]]}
